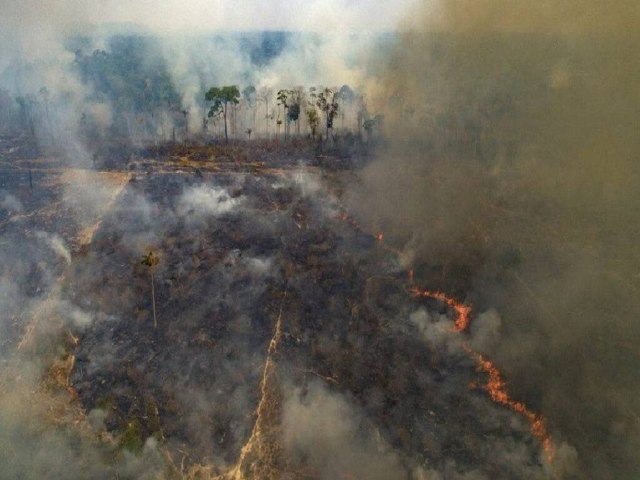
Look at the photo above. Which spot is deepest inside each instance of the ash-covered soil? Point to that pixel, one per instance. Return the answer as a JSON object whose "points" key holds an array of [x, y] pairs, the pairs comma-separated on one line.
{"points": [[271, 339]]}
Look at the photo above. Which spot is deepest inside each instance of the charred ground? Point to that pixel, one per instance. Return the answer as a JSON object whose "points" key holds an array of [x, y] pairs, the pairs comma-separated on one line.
{"points": [[268, 304]]}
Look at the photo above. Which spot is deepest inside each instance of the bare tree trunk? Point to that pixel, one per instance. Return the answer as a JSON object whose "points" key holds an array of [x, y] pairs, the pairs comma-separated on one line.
{"points": [[286, 122], [153, 302], [226, 136], [327, 126], [266, 118], [234, 130]]}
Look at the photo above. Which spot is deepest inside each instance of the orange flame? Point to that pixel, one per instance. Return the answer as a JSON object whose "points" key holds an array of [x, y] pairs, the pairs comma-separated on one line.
{"points": [[496, 385], [379, 237], [463, 317], [496, 388]]}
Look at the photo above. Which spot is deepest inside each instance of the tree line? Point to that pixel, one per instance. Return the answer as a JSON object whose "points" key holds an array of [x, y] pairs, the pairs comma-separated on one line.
{"points": [[285, 110], [131, 97]]}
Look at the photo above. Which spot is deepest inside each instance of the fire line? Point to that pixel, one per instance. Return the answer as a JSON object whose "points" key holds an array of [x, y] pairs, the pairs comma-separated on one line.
{"points": [[495, 385]]}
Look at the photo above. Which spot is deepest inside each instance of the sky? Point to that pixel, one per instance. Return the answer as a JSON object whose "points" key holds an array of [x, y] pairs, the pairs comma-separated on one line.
{"points": [[168, 15]]}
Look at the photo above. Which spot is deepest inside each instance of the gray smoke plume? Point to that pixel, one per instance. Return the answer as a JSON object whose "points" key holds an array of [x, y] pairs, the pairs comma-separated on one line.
{"points": [[512, 178]]}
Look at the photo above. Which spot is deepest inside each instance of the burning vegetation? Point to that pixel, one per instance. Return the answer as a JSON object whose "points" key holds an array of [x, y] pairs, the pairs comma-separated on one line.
{"points": [[256, 294], [314, 256]]}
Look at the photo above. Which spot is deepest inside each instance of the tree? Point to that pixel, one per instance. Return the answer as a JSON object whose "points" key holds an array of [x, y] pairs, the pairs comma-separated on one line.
{"points": [[371, 124], [8, 112], [297, 99], [27, 106], [151, 260], [134, 79], [363, 114], [326, 102], [313, 120], [294, 113], [221, 98], [250, 97], [185, 114], [346, 96], [283, 97], [264, 95]]}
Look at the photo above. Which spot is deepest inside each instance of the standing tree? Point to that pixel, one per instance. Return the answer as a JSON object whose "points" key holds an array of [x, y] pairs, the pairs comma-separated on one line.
{"points": [[313, 120], [294, 114], [362, 115], [151, 260], [283, 97], [8, 112], [264, 95], [185, 114], [297, 99], [327, 103], [27, 106], [221, 98], [346, 96], [250, 97], [371, 124]]}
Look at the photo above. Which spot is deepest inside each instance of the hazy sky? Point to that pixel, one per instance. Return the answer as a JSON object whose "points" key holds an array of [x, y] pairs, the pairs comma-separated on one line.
{"points": [[325, 16], [314, 15]]}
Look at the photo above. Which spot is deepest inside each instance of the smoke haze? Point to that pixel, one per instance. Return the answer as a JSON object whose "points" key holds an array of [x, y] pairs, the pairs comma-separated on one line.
{"points": [[509, 177], [512, 178]]}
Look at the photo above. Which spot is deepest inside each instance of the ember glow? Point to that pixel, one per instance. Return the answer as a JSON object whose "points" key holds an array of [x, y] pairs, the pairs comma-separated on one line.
{"points": [[496, 387], [463, 312]]}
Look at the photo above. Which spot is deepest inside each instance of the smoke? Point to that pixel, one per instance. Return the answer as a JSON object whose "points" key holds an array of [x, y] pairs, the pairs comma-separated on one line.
{"points": [[44, 432], [207, 201], [512, 175], [9, 203], [31, 447], [46, 61], [543, 17], [46, 291], [511, 178], [437, 332], [325, 433]]}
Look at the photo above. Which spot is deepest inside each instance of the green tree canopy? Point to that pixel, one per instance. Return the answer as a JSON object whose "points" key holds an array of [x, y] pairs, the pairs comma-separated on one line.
{"points": [[221, 97]]}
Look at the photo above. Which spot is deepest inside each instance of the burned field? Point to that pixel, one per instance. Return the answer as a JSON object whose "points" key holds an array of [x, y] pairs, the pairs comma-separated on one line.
{"points": [[231, 317]]}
